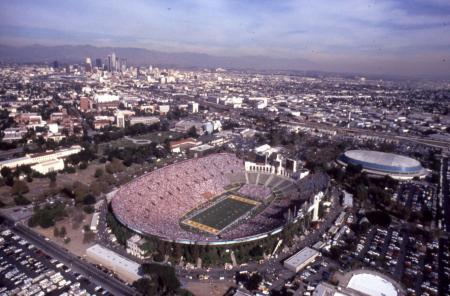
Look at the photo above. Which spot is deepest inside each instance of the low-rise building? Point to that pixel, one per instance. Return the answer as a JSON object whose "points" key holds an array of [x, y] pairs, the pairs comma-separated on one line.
{"points": [[135, 246], [183, 126], [200, 150], [164, 109], [182, 145], [147, 120], [301, 259], [40, 158], [49, 166], [123, 267], [101, 123], [122, 116], [14, 134]]}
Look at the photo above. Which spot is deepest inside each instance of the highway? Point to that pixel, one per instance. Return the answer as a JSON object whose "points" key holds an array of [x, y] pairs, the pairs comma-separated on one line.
{"points": [[369, 133], [100, 278], [421, 140]]}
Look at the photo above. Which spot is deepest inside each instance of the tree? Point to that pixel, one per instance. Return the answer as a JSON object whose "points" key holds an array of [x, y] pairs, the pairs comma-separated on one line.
{"points": [[361, 192], [89, 199], [63, 231], [88, 209], [52, 176], [146, 286], [70, 170], [352, 169], [79, 190], [9, 181], [158, 257], [6, 172], [56, 232], [192, 132], [46, 216], [88, 237], [115, 166], [148, 246], [256, 252], [21, 200], [253, 282], [46, 221], [83, 165], [379, 218], [98, 172], [98, 186], [163, 275], [122, 233], [335, 252], [19, 187]]}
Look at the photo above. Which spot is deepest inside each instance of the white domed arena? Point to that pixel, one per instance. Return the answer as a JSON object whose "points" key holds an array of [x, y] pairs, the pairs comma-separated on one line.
{"points": [[384, 164]]}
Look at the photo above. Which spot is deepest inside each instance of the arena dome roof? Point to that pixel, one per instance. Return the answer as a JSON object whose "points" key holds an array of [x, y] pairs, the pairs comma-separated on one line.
{"points": [[383, 163]]}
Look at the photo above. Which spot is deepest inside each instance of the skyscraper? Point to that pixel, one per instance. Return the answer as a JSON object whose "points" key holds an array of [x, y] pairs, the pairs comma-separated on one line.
{"points": [[98, 63], [113, 62], [118, 65], [109, 63], [88, 65]]}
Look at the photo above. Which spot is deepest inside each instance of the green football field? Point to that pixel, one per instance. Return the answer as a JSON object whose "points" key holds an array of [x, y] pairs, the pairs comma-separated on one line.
{"points": [[221, 214]]}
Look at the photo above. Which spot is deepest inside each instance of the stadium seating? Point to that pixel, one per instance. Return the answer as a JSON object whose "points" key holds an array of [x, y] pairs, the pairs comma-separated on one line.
{"points": [[156, 202], [252, 178], [262, 179], [257, 192]]}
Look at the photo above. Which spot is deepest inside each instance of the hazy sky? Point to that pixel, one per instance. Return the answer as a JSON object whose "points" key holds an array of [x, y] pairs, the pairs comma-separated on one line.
{"points": [[397, 36]]}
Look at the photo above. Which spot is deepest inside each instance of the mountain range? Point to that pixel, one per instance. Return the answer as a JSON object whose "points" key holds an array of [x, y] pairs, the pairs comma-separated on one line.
{"points": [[140, 56]]}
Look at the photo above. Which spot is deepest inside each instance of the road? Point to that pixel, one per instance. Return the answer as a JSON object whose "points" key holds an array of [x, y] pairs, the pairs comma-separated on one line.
{"points": [[111, 284], [369, 133]]}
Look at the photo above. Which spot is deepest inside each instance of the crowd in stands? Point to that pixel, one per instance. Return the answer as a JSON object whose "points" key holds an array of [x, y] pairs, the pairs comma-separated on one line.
{"points": [[156, 202], [254, 191], [275, 214]]}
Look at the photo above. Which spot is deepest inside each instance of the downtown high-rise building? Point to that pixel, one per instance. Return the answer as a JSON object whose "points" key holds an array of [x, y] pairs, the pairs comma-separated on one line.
{"points": [[88, 65], [109, 63], [98, 63], [113, 62]]}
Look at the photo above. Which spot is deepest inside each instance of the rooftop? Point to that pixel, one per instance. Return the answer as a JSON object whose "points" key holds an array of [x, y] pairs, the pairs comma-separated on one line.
{"points": [[301, 256], [114, 259], [382, 158]]}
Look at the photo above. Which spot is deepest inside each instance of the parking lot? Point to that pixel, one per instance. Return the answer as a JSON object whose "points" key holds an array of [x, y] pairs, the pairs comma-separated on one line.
{"points": [[26, 270], [420, 199], [444, 266], [410, 258]]}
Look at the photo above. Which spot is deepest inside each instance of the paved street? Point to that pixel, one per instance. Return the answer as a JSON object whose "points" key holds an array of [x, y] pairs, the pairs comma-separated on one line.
{"points": [[77, 264]]}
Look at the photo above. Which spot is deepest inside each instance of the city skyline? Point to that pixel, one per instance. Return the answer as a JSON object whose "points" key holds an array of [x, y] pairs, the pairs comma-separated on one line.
{"points": [[382, 37]]}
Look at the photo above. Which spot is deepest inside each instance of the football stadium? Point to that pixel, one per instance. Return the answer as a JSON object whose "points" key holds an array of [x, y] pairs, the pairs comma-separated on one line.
{"points": [[210, 200], [384, 164]]}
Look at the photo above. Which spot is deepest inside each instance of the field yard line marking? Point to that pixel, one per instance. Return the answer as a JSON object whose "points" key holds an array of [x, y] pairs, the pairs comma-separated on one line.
{"points": [[202, 226], [245, 200]]}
